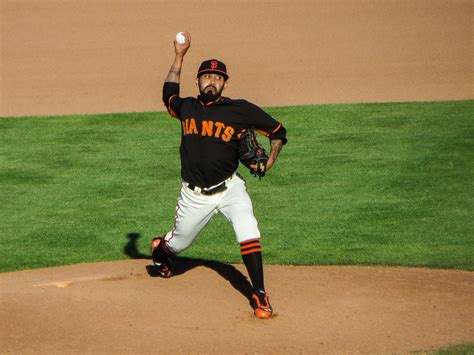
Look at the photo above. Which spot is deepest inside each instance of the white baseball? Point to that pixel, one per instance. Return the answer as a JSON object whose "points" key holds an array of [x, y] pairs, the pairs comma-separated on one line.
{"points": [[180, 39]]}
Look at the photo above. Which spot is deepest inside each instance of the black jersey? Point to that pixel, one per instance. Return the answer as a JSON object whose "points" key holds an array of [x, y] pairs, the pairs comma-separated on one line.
{"points": [[209, 133]]}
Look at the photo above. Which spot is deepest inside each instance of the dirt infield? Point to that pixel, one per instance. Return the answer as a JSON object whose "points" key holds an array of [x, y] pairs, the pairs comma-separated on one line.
{"points": [[90, 56], [118, 307]]}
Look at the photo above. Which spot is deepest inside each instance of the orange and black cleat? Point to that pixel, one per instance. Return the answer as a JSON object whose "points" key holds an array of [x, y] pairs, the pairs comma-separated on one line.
{"points": [[155, 242], [261, 305], [161, 258]]}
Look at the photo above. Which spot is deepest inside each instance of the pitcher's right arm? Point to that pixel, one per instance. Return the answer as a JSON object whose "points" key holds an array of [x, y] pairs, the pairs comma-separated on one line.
{"points": [[171, 97]]}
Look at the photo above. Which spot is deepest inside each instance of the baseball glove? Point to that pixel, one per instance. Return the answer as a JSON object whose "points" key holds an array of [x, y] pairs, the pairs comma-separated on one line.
{"points": [[252, 154]]}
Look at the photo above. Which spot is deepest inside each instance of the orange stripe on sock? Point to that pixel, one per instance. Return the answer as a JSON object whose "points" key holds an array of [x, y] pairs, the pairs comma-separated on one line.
{"points": [[250, 241], [250, 251], [245, 247]]}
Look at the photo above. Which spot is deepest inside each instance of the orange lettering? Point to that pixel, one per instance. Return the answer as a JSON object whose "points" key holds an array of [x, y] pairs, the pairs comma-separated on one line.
{"points": [[192, 126], [219, 126], [207, 128], [186, 126], [229, 131]]}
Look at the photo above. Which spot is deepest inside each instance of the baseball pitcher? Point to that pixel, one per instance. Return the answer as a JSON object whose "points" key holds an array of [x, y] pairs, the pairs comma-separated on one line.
{"points": [[217, 132]]}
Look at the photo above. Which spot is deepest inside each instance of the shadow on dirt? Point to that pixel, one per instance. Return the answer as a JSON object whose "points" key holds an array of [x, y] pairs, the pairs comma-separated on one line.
{"points": [[184, 264], [130, 249]]}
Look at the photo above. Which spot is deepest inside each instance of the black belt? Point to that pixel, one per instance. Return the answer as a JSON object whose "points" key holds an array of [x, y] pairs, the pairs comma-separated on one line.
{"points": [[219, 188]]}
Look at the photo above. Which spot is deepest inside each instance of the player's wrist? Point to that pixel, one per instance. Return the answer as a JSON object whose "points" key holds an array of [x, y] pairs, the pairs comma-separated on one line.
{"points": [[180, 53], [178, 59], [269, 164]]}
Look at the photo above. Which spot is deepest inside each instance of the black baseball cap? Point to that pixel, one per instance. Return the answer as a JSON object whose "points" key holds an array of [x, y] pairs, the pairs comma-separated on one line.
{"points": [[213, 66]]}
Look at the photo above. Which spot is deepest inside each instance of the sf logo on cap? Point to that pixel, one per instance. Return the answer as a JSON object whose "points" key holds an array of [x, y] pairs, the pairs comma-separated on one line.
{"points": [[213, 64]]}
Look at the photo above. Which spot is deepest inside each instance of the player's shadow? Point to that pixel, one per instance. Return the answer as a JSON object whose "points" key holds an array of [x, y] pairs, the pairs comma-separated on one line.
{"points": [[130, 249], [184, 264]]}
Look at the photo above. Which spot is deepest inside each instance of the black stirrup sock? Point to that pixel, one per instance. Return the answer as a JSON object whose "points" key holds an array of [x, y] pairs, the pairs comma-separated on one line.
{"points": [[251, 251]]}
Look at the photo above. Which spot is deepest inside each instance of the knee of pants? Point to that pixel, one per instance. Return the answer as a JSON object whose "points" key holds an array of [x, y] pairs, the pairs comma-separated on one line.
{"points": [[246, 228], [177, 243]]}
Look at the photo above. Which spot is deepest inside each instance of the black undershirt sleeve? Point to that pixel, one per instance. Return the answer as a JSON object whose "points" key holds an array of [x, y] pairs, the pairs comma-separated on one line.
{"points": [[280, 133], [171, 98]]}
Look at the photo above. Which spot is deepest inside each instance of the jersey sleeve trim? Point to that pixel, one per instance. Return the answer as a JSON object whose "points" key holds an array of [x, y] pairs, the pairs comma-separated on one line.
{"points": [[170, 110], [277, 128], [261, 131], [278, 133]]}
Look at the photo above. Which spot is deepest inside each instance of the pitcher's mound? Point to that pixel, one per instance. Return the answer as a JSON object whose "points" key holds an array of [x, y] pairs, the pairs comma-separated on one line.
{"points": [[120, 307]]}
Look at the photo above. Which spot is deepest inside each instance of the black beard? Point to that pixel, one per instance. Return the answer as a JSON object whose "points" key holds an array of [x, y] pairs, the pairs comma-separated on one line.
{"points": [[209, 96]]}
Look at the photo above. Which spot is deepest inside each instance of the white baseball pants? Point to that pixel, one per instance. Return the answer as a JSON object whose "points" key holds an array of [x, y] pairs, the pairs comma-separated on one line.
{"points": [[194, 210]]}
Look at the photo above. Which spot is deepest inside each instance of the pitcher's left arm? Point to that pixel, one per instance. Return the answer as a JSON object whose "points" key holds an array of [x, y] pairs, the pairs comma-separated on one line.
{"points": [[269, 127]]}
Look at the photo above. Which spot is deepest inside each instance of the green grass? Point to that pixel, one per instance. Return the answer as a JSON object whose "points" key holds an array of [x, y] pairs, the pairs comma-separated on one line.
{"points": [[459, 349], [465, 348], [378, 184]]}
